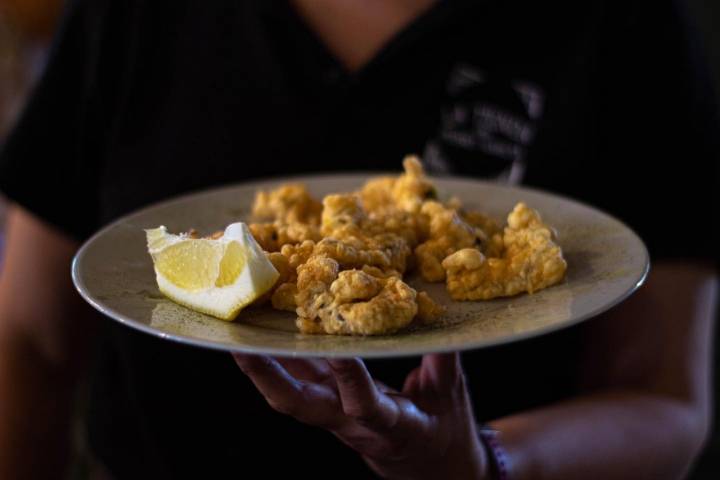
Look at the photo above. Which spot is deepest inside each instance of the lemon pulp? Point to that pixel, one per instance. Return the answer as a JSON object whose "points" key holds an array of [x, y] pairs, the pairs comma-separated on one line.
{"points": [[214, 276]]}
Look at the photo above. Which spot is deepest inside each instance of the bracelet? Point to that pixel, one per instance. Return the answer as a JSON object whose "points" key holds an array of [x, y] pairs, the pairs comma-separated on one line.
{"points": [[496, 453]]}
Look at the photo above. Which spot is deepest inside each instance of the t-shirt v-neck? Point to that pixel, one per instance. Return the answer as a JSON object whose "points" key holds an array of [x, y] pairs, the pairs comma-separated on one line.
{"points": [[437, 16]]}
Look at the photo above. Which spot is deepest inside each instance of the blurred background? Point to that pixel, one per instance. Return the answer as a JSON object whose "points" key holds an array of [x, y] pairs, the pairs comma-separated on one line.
{"points": [[26, 30]]}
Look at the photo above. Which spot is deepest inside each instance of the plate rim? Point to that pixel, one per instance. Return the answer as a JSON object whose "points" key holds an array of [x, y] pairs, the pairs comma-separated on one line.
{"points": [[125, 320]]}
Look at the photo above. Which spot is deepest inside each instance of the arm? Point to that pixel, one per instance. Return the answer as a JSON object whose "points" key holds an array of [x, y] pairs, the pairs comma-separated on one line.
{"points": [[646, 374], [43, 334], [644, 412]]}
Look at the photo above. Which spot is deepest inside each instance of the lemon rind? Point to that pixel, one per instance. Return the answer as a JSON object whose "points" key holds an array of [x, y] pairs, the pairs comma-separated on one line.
{"points": [[203, 300], [226, 302]]}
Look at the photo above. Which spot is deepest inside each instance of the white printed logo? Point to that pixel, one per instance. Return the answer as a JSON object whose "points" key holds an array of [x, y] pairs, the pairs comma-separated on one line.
{"points": [[485, 118]]}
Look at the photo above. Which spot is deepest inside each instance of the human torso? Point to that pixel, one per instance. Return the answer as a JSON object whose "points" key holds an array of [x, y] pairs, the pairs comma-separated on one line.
{"points": [[236, 91]]}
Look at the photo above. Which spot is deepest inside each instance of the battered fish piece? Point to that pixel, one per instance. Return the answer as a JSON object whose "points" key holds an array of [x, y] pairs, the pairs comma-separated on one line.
{"points": [[354, 239], [286, 263], [351, 302], [408, 226], [529, 262], [343, 216], [272, 236], [392, 309], [313, 284], [286, 215], [297, 255], [287, 204], [405, 193], [448, 233], [413, 188], [347, 255], [382, 274], [353, 253], [376, 195], [378, 262], [487, 231], [429, 311], [283, 297]]}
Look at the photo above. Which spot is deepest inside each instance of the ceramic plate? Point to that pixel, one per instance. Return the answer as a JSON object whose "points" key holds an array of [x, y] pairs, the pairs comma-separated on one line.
{"points": [[606, 263]]}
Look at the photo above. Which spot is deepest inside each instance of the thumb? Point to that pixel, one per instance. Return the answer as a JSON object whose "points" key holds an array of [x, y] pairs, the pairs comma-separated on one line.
{"points": [[441, 372]]}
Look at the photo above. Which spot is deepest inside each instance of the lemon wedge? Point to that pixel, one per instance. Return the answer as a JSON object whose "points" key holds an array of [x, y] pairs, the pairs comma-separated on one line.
{"points": [[214, 276]]}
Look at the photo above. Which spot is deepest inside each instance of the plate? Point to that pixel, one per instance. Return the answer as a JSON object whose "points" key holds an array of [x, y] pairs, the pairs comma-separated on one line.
{"points": [[606, 260]]}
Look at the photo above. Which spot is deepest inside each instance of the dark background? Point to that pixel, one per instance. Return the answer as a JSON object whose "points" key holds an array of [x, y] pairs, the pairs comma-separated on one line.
{"points": [[707, 15]]}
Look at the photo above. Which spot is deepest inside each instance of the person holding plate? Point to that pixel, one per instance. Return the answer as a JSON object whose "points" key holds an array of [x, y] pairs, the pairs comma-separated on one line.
{"points": [[142, 100]]}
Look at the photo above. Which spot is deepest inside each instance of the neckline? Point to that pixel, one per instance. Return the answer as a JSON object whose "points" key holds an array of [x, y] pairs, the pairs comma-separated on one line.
{"points": [[431, 18]]}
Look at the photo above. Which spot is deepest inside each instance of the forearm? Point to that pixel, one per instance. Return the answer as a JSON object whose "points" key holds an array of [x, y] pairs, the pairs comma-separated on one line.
{"points": [[45, 332], [36, 401], [605, 436], [645, 373]]}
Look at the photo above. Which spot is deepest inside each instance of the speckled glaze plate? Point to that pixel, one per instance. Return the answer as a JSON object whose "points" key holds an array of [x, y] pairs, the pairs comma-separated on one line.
{"points": [[607, 262]]}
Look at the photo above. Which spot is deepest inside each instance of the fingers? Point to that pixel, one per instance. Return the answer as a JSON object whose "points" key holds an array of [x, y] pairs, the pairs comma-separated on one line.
{"points": [[441, 372], [360, 398], [308, 402], [384, 388], [412, 381], [308, 369]]}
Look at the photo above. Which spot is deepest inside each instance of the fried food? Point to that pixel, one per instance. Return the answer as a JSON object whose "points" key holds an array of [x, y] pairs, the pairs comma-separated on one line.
{"points": [[429, 311], [341, 261], [286, 215], [283, 298], [290, 203], [529, 262], [272, 236], [351, 302], [405, 193], [413, 188], [447, 234], [353, 239]]}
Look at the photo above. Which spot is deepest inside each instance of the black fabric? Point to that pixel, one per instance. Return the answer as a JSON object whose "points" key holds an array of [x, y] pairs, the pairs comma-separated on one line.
{"points": [[603, 101]]}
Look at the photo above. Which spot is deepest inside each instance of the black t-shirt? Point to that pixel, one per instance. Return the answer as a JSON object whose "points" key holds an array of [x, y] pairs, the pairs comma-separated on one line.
{"points": [[600, 100]]}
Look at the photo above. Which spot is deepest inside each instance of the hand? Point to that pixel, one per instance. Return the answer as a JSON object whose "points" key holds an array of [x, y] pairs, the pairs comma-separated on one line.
{"points": [[425, 431]]}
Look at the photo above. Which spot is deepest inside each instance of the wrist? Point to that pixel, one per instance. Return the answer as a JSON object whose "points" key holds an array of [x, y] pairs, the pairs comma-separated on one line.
{"points": [[465, 459], [495, 455], [469, 460]]}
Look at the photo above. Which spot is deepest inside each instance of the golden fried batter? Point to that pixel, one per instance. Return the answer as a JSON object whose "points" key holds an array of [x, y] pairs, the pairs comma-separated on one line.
{"points": [[282, 265], [448, 233], [286, 215], [272, 236], [287, 204], [413, 187], [286, 263], [529, 262], [342, 215], [376, 195], [341, 261], [283, 297], [405, 193], [387, 312], [429, 311], [352, 253], [297, 254], [487, 231], [406, 225], [313, 284], [354, 303], [353, 239]]}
